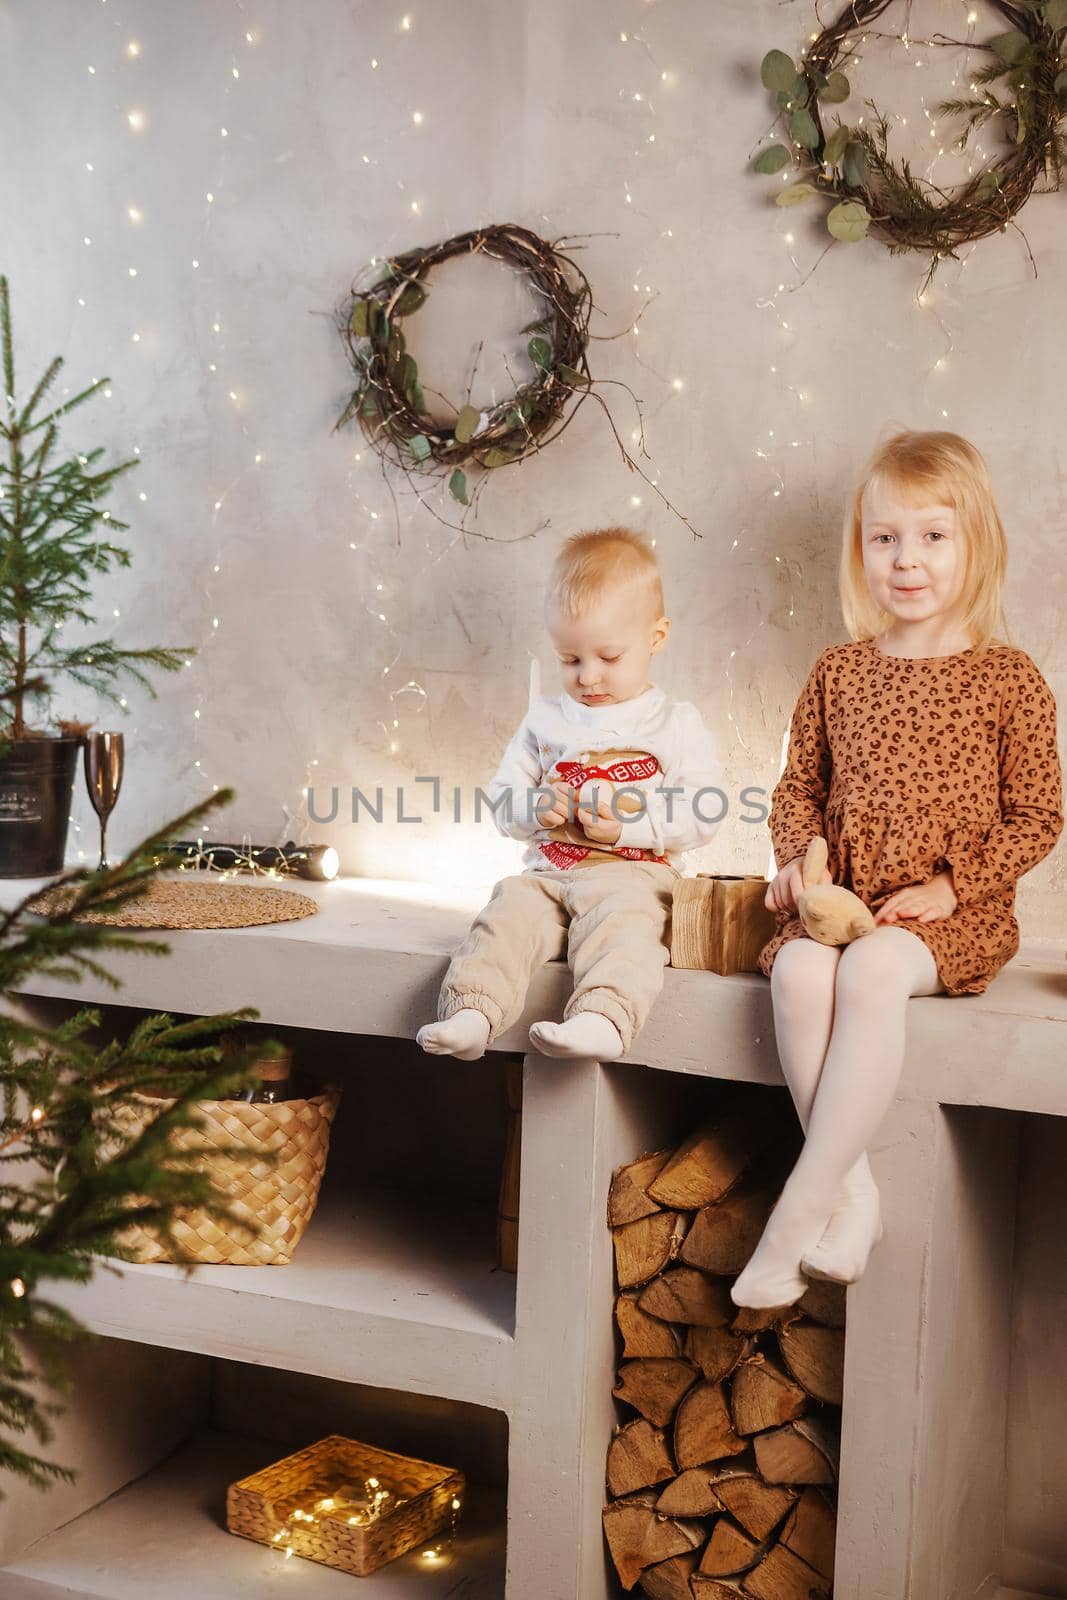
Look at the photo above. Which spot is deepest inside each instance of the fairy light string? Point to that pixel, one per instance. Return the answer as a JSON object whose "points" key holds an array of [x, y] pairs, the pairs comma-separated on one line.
{"points": [[929, 142], [645, 84], [353, 1507], [123, 63]]}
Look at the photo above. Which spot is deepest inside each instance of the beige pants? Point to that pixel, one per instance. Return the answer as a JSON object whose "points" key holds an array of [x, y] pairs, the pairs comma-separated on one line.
{"points": [[611, 921]]}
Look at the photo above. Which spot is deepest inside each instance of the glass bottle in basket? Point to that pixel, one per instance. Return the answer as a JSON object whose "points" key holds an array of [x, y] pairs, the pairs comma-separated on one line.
{"points": [[274, 1066]]}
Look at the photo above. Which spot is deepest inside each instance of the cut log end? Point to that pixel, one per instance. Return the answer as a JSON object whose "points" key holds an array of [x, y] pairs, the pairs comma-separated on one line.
{"points": [[643, 1248], [762, 1396], [816, 1357], [729, 1550], [638, 1538], [654, 1388], [645, 1335], [638, 1457], [628, 1198]]}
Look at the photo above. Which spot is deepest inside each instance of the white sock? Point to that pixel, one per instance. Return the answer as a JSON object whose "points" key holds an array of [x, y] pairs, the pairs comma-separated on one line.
{"points": [[772, 1276], [586, 1033], [465, 1035], [855, 1228], [860, 1073]]}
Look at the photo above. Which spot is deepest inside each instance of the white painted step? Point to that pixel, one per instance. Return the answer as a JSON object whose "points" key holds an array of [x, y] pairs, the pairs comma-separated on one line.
{"points": [[389, 1287], [14, 1588]]}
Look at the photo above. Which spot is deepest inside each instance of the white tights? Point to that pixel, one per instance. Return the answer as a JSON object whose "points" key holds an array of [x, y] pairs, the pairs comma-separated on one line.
{"points": [[839, 1022]]}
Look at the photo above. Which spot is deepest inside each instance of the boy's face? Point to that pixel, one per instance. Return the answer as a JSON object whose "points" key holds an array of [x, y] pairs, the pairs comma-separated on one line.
{"points": [[604, 653]]}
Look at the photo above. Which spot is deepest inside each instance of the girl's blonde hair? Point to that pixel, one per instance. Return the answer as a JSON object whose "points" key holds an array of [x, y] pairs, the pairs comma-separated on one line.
{"points": [[591, 563], [931, 469]]}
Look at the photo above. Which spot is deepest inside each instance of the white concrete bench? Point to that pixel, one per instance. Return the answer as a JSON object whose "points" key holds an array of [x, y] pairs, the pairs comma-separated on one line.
{"points": [[944, 1331]]}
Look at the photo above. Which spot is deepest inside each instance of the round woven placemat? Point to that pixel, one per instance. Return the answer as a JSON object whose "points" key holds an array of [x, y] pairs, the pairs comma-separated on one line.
{"points": [[184, 903]]}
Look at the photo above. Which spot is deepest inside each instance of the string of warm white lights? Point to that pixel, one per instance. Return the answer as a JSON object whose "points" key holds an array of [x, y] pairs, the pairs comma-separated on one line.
{"points": [[122, 59], [357, 1507], [647, 86], [772, 450], [16, 1136], [120, 63]]}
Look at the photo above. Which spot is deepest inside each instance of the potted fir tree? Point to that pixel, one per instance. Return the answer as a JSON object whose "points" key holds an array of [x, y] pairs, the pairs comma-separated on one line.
{"points": [[55, 535]]}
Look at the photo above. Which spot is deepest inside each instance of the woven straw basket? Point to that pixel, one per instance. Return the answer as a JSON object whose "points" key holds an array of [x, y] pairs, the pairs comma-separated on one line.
{"points": [[260, 1507], [276, 1198]]}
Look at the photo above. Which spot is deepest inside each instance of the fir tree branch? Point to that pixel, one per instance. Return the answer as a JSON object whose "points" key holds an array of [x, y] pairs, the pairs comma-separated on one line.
{"points": [[73, 1178]]}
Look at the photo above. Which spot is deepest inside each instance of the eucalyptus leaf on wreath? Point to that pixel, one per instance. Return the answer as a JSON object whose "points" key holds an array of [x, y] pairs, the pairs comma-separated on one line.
{"points": [[773, 159], [802, 127], [796, 193], [540, 353], [466, 424], [410, 299], [849, 221], [777, 70], [798, 92], [837, 89], [854, 164], [835, 145], [457, 486]]}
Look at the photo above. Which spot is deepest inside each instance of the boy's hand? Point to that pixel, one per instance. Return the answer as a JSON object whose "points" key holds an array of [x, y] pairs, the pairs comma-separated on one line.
{"points": [[562, 808], [926, 902], [603, 828], [783, 889]]}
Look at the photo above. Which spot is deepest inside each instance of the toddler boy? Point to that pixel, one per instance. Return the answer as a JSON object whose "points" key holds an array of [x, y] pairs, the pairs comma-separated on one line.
{"points": [[604, 783]]}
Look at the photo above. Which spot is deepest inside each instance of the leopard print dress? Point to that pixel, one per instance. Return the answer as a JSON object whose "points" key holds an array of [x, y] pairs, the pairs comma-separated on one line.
{"points": [[909, 765]]}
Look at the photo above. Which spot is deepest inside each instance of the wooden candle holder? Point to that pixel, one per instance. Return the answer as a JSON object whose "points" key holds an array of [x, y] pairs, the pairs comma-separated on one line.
{"points": [[720, 923]]}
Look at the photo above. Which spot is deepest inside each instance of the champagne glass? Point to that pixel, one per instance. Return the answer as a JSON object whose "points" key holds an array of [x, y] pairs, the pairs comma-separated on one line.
{"points": [[104, 761]]}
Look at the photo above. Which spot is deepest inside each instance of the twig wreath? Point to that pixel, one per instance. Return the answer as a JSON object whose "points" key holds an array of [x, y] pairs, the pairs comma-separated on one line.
{"points": [[851, 164], [389, 400]]}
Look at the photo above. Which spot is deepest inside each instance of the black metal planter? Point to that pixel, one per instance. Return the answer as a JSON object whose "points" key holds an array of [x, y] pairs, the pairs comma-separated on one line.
{"points": [[36, 783]]}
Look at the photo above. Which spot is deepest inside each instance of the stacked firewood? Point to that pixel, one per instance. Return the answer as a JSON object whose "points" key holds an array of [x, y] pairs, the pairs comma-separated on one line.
{"points": [[723, 1482]]}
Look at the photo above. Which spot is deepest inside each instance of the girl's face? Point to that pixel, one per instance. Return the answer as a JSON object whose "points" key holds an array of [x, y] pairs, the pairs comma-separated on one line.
{"points": [[604, 654], [913, 557]]}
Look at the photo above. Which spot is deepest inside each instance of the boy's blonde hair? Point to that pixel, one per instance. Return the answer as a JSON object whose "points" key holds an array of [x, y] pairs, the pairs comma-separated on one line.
{"points": [[931, 469], [591, 563]]}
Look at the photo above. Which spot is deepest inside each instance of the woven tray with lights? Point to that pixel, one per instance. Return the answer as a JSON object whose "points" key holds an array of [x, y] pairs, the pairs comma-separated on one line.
{"points": [[346, 1504], [273, 1201], [182, 903]]}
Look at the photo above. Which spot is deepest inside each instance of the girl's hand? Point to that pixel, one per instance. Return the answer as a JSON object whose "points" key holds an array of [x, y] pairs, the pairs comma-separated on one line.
{"points": [[604, 828], [782, 890], [927, 902], [561, 810]]}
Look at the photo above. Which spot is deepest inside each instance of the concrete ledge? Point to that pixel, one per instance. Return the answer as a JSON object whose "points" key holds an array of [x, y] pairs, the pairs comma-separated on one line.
{"points": [[372, 959]]}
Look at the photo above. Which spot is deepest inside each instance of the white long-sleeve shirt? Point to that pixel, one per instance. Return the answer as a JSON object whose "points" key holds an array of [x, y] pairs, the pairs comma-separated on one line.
{"points": [[656, 749]]}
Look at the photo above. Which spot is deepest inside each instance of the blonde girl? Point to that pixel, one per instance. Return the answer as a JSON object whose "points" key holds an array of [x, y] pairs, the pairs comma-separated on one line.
{"points": [[925, 753]]}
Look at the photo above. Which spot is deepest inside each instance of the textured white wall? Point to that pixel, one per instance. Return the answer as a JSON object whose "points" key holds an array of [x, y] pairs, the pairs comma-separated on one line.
{"points": [[541, 114]]}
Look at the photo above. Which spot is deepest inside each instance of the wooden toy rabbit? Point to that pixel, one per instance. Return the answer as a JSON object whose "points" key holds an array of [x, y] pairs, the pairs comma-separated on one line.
{"points": [[830, 913]]}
